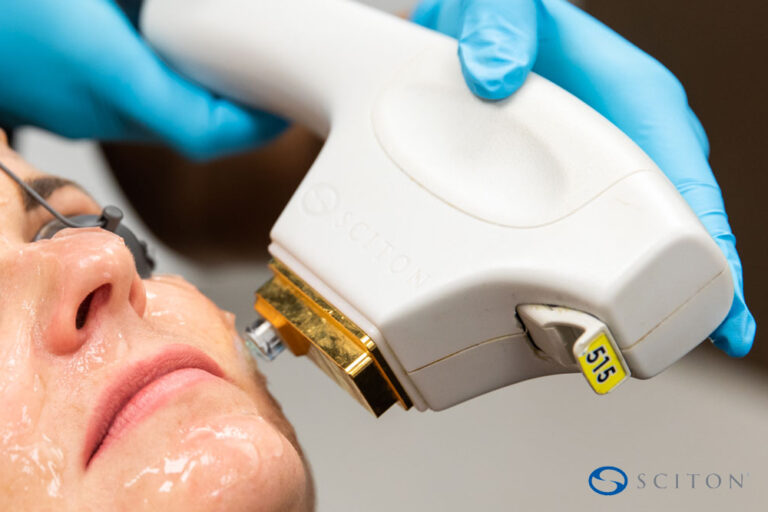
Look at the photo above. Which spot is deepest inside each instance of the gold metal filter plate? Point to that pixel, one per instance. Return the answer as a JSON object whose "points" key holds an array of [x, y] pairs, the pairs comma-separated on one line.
{"points": [[310, 326]]}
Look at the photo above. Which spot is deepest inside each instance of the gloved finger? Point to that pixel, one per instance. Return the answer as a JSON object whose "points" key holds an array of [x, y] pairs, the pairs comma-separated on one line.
{"points": [[428, 14], [498, 42], [648, 103], [694, 180], [633, 91], [737, 332], [193, 120], [698, 129], [154, 103]]}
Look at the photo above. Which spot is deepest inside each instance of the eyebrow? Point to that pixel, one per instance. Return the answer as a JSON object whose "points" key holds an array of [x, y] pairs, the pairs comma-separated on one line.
{"points": [[45, 186]]}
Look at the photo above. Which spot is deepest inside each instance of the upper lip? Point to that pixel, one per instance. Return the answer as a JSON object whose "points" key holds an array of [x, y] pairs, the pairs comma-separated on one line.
{"points": [[131, 380]]}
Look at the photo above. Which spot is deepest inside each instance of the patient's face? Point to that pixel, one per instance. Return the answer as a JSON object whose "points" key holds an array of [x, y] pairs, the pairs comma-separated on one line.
{"points": [[123, 394]]}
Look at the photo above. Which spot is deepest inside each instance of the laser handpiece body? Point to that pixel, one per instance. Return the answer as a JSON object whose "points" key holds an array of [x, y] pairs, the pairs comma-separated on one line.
{"points": [[443, 246]]}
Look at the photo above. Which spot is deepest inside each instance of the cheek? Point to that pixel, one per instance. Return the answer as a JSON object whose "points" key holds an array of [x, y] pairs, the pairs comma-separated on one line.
{"points": [[13, 223], [28, 291], [32, 456], [176, 308], [176, 305], [22, 374]]}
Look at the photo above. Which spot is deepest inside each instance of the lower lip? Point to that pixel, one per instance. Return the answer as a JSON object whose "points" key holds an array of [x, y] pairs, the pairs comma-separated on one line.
{"points": [[149, 399]]}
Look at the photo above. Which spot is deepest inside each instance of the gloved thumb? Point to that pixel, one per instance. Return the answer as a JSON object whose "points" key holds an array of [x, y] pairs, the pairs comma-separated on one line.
{"points": [[498, 42]]}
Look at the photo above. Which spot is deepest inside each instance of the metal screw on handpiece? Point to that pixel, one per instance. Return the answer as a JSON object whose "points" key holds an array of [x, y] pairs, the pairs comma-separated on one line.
{"points": [[263, 341]]}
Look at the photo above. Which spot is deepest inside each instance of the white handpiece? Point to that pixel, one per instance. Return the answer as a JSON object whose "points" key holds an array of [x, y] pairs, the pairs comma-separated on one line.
{"points": [[442, 244]]}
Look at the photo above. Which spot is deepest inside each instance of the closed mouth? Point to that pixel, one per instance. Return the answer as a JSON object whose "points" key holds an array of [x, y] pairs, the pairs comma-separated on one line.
{"points": [[142, 388]]}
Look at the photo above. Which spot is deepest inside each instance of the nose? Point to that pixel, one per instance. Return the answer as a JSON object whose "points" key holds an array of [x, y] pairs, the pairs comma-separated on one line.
{"points": [[96, 281]]}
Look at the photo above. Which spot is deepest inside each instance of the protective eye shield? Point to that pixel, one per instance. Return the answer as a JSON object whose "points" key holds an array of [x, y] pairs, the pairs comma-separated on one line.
{"points": [[110, 219]]}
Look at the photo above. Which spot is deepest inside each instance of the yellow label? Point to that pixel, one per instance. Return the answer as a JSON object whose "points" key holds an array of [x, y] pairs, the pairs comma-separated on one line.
{"points": [[601, 366]]}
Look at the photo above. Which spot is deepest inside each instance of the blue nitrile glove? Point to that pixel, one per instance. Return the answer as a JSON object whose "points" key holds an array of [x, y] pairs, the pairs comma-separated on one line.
{"points": [[500, 41], [79, 68]]}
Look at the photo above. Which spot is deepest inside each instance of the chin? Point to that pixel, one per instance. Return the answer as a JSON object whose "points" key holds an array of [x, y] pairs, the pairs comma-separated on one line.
{"points": [[213, 451]]}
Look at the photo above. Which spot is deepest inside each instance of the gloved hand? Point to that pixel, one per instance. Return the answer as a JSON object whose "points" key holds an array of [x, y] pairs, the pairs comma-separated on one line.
{"points": [[500, 41], [79, 68]]}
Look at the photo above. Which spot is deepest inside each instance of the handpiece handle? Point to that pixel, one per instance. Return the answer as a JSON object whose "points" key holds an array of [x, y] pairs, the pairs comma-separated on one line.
{"points": [[303, 59]]}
